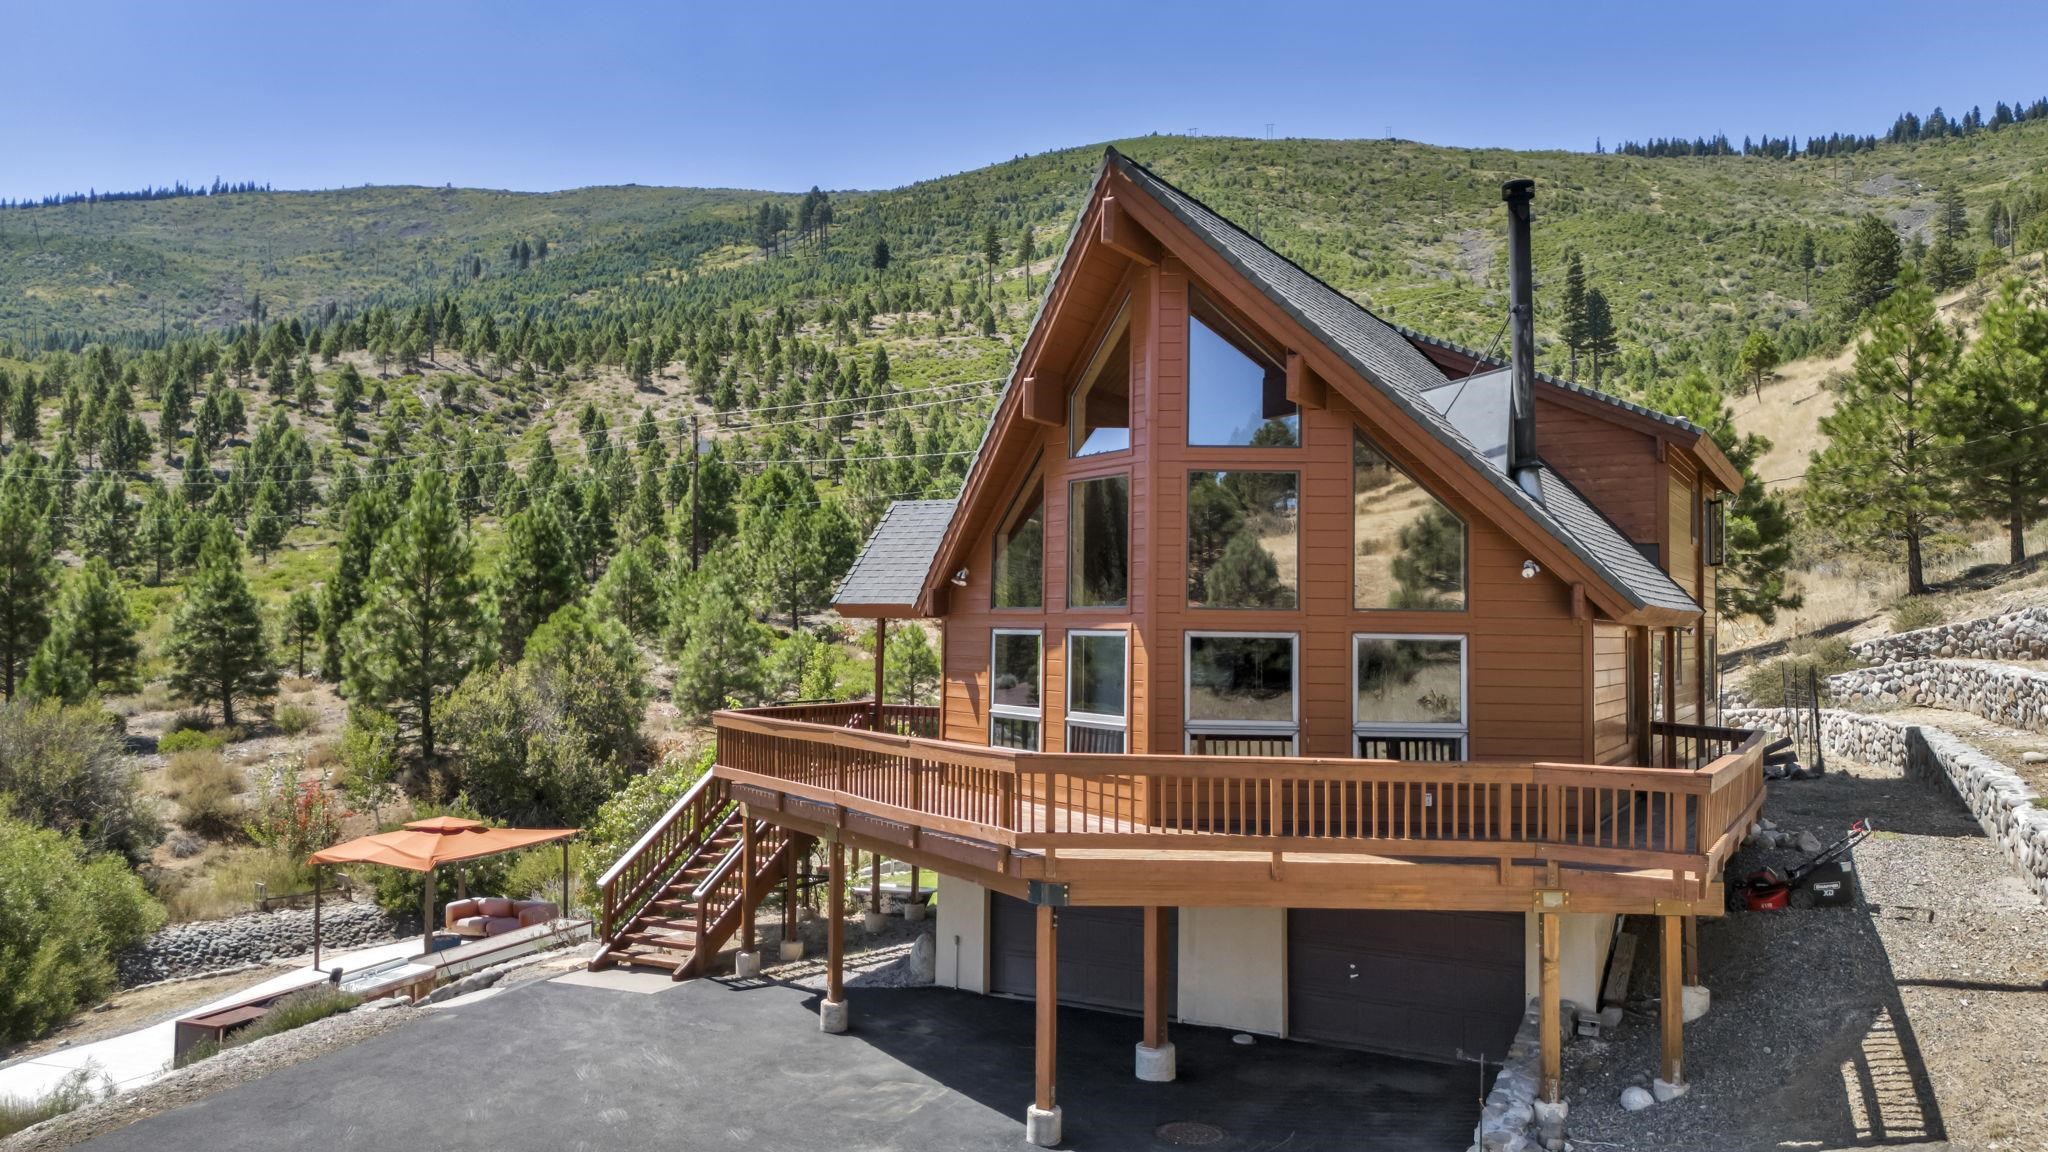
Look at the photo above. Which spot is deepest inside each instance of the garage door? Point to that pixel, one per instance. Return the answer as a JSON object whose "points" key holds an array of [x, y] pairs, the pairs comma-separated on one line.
{"points": [[1102, 954], [1428, 984]]}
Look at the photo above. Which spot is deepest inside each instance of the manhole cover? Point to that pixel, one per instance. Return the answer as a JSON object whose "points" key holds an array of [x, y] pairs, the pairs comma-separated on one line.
{"points": [[1189, 1133]]}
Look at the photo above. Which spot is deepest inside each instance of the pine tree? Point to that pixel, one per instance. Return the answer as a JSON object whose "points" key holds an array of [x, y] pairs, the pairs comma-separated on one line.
{"points": [[1879, 481], [266, 520], [299, 628], [1873, 265], [537, 573], [217, 649], [157, 537], [27, 578], [362, 524], [1571, 324], [1601, 339], [419, 631], [1758, 359], [2000, 399], [630, 591], [26, 419], [910, 669], [878, 259], [1949, 261], [721, 650], [991, 251], [1807, 260], [92, 645]]}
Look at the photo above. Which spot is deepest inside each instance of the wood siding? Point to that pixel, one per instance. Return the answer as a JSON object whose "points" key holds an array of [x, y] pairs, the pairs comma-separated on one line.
{"points": [[1529, 692], [1610, 462]]}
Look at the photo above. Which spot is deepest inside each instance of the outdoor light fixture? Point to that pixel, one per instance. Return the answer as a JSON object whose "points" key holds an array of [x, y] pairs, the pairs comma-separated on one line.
{"points": [[960, 578], [1530, 569]]}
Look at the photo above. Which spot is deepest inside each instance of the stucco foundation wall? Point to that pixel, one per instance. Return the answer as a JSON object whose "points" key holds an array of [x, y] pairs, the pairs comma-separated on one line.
{"points": [[1233, 968], [1581, 956], [962, 935]]}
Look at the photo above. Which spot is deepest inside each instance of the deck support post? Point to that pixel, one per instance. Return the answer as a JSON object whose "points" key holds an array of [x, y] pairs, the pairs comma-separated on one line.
{"points": [[747, 964], [792, 947], [1549, 994], [913, 909], [881, 645], [873, 922], [1671, 1008], [1042, 1119], [1692, 950], [832, 1012], [1156, 1057]]}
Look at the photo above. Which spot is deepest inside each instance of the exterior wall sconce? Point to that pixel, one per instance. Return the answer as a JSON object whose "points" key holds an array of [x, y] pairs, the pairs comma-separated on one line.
{"points": [[1531, 569]]}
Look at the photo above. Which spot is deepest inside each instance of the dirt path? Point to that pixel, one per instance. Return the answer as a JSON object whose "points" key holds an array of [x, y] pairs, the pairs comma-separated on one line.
{"points": [[1915, 1019]]}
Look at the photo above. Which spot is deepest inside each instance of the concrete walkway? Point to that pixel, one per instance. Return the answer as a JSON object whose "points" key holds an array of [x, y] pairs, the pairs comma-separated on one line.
{"points": [[712, 1064], [135, 1058]]}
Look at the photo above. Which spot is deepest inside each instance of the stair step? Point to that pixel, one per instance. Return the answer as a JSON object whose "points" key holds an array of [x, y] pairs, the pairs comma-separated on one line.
{"points": [[646, 960], [673, 941], [666, 924]]}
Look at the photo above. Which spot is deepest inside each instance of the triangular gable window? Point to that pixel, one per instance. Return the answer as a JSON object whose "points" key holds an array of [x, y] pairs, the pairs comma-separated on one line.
{"points": [[1237, 391]]}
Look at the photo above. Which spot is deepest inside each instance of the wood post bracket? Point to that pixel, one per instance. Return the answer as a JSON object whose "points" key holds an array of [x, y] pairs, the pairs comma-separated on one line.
{"points": [[1048, 894], [1552, 899]]}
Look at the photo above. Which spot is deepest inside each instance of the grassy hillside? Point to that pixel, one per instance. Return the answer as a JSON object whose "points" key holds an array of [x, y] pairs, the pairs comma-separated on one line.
{"points": [[1686, 249]]}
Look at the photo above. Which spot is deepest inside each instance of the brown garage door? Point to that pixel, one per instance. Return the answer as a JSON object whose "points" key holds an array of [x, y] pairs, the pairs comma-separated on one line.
{"points": [[1428, 984], [1102, 954]]}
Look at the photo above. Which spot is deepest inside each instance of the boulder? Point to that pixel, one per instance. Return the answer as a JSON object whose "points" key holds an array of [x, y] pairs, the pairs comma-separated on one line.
{"points": [[1635, 1099]]}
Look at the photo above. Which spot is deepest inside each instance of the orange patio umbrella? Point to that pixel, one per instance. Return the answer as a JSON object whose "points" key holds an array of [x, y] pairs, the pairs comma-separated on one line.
{"points": [[425, 845]]}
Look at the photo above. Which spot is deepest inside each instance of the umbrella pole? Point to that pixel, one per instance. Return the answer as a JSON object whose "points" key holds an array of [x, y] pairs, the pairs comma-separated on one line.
{"points": [[427, 918], [316, 917], [565, 879]]}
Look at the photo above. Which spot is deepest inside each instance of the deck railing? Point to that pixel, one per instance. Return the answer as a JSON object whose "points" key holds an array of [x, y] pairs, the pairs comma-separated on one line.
{"points": [[644, 868], [1593, 815]]}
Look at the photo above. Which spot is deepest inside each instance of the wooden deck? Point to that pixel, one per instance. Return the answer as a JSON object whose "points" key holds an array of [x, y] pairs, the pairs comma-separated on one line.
{"points": [[1258, 830]]}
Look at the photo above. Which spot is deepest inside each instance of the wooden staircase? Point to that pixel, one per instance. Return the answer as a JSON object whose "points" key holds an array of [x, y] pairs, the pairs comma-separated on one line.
{"points": [[677, 896]]}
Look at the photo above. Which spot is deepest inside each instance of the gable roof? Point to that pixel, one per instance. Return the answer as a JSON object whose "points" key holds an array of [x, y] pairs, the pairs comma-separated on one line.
{"points": [[1385, 358], [1700, 440], [891, 570]]}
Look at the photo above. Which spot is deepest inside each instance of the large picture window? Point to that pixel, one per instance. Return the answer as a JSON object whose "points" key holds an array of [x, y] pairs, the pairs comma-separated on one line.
{"points": [[1410, 549], [1241, 694], [1237, 391], [1098, 698], [1099, 410], [1241, 539], [1098, 542], [1019, 572], [1016, 677], [1408, 697]]}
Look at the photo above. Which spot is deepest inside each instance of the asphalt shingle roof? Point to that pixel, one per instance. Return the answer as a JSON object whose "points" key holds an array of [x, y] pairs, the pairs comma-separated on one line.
{"points": [[1385, 358], [1609, 398], [892, 567]]}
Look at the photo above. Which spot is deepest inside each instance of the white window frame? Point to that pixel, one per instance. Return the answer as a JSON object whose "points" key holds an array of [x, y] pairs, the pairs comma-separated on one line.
{"points": [[1191, 727], [1094, 720], [1462, 730], [1014, 711]]}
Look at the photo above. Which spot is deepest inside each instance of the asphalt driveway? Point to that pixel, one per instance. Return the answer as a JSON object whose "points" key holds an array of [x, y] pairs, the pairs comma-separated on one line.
{"points": [[715, 1065]]}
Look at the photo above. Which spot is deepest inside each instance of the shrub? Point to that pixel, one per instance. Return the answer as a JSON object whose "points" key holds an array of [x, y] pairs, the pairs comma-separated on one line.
{"points": [[1915, 612], [1764, 684], [74, 1091], [204, 787], [623, 819], [64, 912], [294, 1011], [536, 874], [190, 740], [296, 817], [67, 770], [293, 719], [191, 720], [227, 887]]}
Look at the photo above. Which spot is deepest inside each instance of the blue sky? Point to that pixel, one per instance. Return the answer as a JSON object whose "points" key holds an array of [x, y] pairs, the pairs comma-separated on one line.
{"points": [[868, 93]]}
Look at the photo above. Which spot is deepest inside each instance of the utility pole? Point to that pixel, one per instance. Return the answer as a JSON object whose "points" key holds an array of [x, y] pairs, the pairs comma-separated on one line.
{"points": [[695, 492]]}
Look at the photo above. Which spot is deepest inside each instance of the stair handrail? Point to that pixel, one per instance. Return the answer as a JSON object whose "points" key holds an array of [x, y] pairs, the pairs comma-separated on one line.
{"points": [[726, 863], [703, 798]]}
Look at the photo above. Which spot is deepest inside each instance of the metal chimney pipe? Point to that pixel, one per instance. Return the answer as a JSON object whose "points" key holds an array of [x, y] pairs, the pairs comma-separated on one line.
{"points": [[1522, 319]]}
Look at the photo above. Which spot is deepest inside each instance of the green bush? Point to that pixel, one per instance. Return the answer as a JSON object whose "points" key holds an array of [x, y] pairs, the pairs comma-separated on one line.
{"points": [[190, 740], [228, 885], [1764, 684], [73, 1092], [623, 819], [293, 719], [1916, 612], [536, 874], [67, 769], [64, 912], [294, 1011], [204, 787]]}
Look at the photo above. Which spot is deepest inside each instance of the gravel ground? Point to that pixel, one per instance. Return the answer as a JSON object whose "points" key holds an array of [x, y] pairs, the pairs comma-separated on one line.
{"points": [[190, 1085], [1912, 1019], [873, 959]]}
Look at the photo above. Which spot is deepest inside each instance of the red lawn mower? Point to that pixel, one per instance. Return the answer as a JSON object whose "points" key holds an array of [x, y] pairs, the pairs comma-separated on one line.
{"points": [[1827, 879]]}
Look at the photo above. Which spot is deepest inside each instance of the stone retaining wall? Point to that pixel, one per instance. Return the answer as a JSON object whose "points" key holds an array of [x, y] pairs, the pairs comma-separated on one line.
{"points": [[2015, 697], [1508, 1122], [214, 945], [2018, 635], [2002, 803]]}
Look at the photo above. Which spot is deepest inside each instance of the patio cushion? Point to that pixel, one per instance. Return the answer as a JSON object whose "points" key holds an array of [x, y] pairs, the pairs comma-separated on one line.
{"points": [[495, 907], [498, 925], [533, 912]]}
